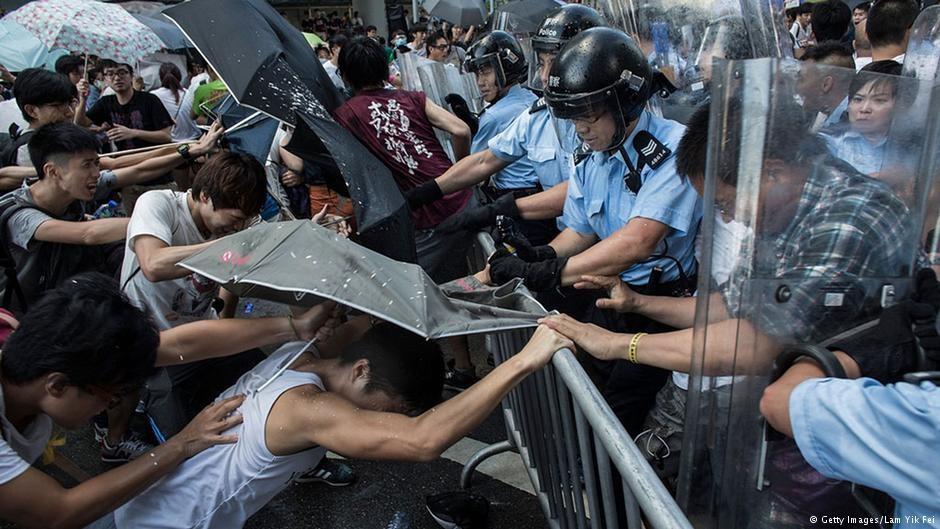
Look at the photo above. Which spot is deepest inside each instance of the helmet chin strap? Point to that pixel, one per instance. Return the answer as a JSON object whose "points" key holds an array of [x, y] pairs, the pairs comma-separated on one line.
{"points": [[620, 136]]}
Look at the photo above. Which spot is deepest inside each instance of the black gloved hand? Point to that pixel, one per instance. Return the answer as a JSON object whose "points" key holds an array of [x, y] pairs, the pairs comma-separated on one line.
{"points": [[477, 218], [460, 108], [524, 248], [423, 194], [538, 276], [890, 348]]}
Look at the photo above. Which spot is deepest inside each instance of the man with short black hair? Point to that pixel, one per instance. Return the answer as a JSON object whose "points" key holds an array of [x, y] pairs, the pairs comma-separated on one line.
{"points": [[336, 44], [801, 30], [364, 394], [831, 19], [825, 89], [81, 347], [889, 28], [131, 119], [46, 230]]}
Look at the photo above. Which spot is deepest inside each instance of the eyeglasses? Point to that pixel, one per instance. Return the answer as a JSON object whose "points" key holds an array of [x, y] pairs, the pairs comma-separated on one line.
{"points": [[441, 47], [62, 106], [117, 73]]}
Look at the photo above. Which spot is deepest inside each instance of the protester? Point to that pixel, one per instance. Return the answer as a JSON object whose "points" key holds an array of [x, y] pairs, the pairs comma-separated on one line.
{"points": [[71, 66], [418, 36], [889, 27], [170, 91], [45, 226], [336, 44], [438, 48], [801, 31], [131, 119], [831, 21], [82, 346], [43, 97], [861, 45], [364, 394], [531, 135], [397, 126], [860, 13]]}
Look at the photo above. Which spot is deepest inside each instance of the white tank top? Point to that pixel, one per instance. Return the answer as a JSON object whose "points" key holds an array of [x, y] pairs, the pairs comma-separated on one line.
{"points": [[224, 485]]}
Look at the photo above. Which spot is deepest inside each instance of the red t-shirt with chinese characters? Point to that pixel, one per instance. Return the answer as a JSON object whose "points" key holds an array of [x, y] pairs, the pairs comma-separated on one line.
{"points": [[393, 125]]}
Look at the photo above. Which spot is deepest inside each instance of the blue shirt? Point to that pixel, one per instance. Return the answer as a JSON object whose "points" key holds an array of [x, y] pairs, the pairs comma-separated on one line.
{"points": [[532, 136], [854, 149], [495, 119], [884, 437], [599, 203]]}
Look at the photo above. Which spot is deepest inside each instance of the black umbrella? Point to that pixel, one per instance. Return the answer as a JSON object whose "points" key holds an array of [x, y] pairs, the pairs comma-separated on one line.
{"points": [[268, 65]]}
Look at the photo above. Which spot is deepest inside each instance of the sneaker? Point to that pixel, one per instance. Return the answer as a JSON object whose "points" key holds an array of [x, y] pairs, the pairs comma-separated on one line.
{"points": [[130, 447], [331, 472], [100, 425], [459, 379]]}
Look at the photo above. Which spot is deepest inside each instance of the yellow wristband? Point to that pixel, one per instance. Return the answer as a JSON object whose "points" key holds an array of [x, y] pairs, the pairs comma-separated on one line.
{"points": [[290, 321], [631, 355]]}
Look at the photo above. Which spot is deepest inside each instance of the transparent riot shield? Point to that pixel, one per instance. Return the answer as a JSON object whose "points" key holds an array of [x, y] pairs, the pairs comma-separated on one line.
{"points": [[819, 250], [408, 64], [438, 81], [923, 48], [682, 37]]}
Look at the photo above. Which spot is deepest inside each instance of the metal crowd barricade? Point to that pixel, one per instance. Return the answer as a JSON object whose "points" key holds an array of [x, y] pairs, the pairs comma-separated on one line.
{"points": [[568, 438]]}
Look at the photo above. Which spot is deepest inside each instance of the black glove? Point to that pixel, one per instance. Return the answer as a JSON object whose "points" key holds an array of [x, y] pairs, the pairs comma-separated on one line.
{"points": [[890, 348], [460, 108], [539, 276], [475, 219], [523, 247], [423, 194]]}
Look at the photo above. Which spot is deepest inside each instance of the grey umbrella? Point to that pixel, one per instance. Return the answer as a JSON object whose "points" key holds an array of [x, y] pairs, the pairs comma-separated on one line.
{"points": [[460, 12], [301, 263]]}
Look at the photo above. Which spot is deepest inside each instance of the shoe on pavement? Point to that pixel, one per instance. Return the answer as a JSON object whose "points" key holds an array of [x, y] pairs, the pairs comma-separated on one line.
{"points": [[331, 472], [130, 447]]}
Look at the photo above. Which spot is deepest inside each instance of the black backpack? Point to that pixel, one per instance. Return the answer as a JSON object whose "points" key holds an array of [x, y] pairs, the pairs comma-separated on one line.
{"points": [[18, 139], [22, 283]]}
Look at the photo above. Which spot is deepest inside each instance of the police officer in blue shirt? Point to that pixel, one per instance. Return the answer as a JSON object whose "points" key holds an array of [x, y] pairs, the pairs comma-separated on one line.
{"points": [[499, 65], [532, 136], [866, 431], [627, 211]]}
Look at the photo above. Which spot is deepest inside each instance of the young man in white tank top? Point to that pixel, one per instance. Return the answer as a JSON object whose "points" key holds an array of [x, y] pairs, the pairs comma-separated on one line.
{"points": [[361, 395]]}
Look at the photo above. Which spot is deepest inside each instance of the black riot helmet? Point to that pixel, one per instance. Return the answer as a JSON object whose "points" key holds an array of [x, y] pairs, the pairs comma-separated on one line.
{"points": [[598, 71], [558, 28], [503, 53]]}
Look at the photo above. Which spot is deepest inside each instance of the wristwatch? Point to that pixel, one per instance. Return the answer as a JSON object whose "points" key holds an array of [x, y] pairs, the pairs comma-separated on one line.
{"points": [[183, 151]]}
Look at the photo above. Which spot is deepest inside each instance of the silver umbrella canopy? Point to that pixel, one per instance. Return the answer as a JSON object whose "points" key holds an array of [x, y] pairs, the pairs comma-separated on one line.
{"points": [[301, 263]]}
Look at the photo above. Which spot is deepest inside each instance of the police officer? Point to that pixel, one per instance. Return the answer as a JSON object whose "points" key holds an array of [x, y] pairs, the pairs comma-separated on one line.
{"points": [[627, 211], [531, 136], [499, 66]]}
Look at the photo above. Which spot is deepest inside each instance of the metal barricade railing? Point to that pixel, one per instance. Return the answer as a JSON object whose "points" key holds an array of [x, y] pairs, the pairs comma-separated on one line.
{"points": [[567, 436]]}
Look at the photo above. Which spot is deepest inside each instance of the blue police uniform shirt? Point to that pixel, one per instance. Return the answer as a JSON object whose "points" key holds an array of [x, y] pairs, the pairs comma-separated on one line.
{"points": [[854, 149], [884, 437], [599, 202], [495, 119], [532, 136]]}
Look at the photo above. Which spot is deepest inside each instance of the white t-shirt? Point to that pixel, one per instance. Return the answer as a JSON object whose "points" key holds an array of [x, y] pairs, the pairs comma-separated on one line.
{"points": [[169, 101], [165, 215], [18, 450], [223, 486], [334, 76], [185, 127]]}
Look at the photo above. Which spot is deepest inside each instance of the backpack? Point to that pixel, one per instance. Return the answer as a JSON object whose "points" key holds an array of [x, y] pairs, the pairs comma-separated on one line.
{"points": [[9, 152], [22, 283]]}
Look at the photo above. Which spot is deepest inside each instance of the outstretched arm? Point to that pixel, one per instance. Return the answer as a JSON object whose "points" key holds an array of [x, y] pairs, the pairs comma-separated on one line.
{"points": [[328, 420]]}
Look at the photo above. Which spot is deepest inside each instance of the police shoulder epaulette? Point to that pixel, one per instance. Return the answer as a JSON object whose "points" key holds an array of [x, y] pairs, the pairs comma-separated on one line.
{"points": [[583, 153], [538, 105]]}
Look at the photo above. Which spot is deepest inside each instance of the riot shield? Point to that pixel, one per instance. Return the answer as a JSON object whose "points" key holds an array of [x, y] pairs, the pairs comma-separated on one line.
{"points": [[821, 249], [682, 37], [439, 80], [923, 47]]}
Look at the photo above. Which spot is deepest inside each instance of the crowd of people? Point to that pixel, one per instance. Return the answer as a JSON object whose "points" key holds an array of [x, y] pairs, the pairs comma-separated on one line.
{"points": [[596, 201]]}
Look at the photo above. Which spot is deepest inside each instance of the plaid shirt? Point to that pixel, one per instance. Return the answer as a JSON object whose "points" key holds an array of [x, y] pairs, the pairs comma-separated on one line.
{"points": [[847, 228]]}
